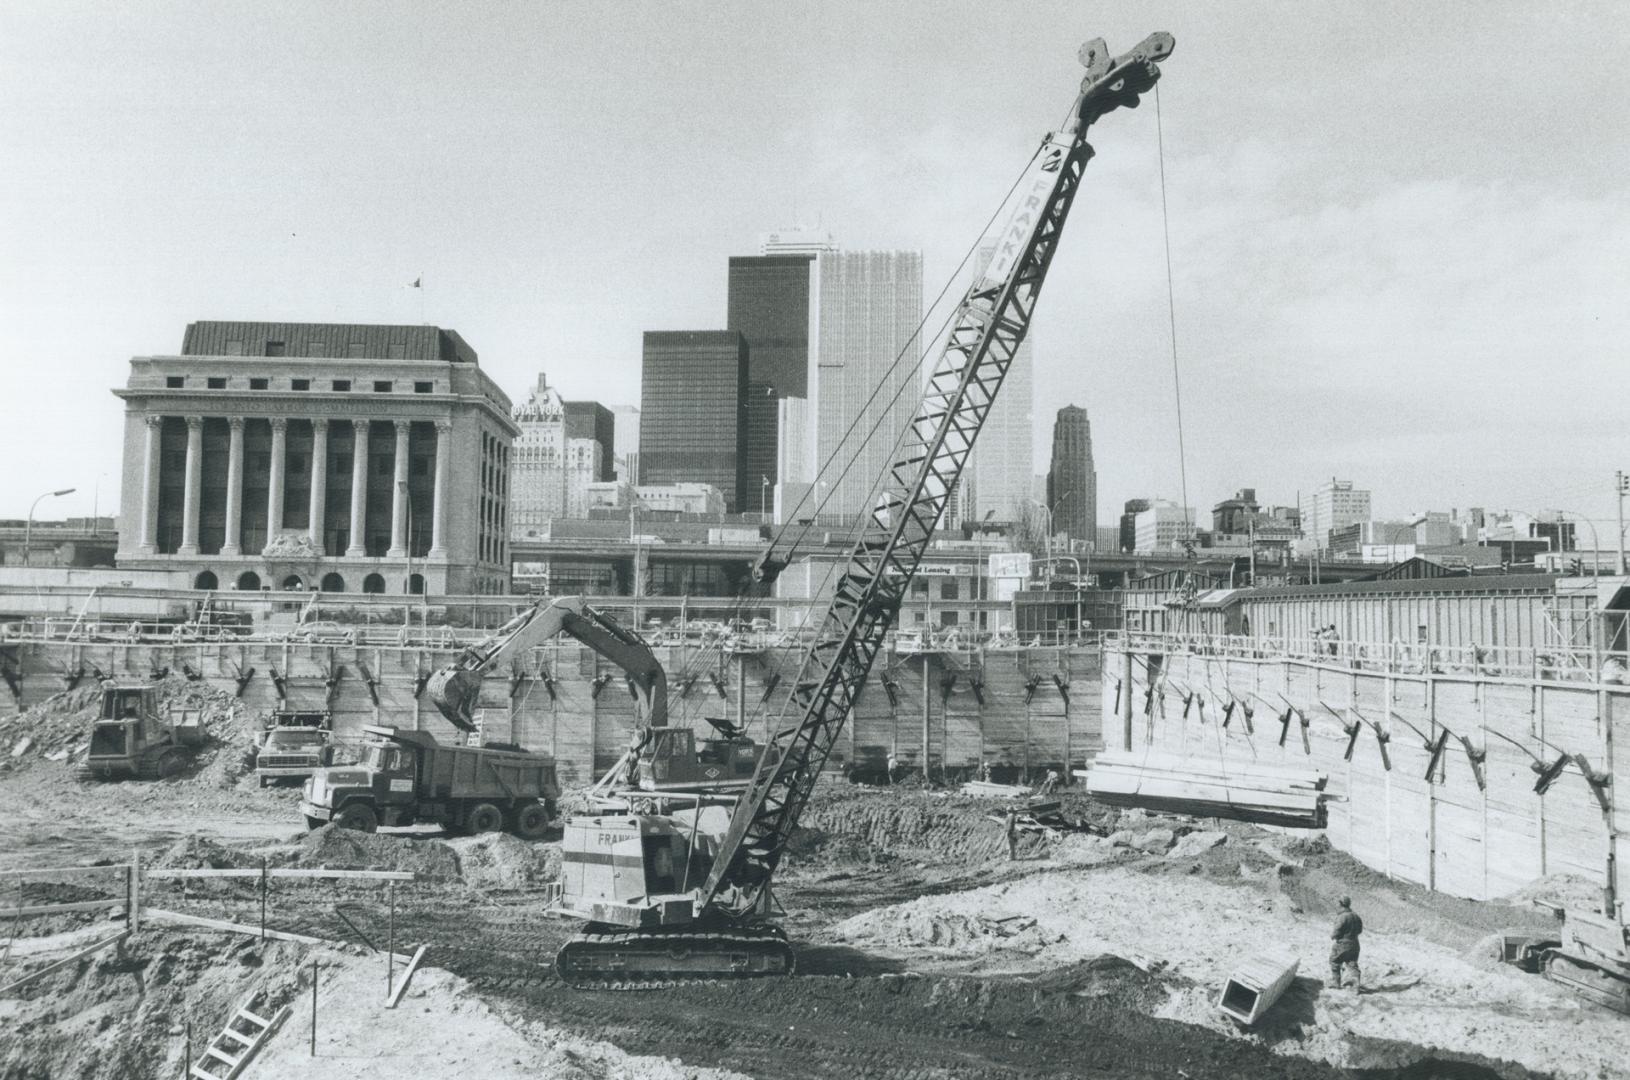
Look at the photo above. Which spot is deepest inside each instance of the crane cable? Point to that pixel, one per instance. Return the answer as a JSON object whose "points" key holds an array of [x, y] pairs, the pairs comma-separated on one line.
{"points": [[860, 414], [1171, 313]]}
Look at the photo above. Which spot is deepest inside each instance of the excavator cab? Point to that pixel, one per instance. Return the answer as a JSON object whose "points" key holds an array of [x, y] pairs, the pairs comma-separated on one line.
{"points": [[670, 760]]}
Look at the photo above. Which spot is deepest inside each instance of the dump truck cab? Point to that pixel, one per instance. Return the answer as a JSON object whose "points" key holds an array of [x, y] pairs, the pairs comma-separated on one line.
{"points": [[295, 745], [133, 738]]}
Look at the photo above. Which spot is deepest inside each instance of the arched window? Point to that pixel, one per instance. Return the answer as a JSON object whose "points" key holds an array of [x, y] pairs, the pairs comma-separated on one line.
{"points": [[206, 580], [373, 583], [248, 581], [333, 583], [292, 583], [415, 584]]}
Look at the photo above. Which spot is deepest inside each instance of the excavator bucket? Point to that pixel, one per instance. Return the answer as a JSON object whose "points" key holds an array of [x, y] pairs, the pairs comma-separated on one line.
{"points": [[454, 692]]}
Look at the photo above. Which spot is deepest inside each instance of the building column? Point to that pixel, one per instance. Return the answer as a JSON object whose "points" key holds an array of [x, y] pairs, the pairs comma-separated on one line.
{"points": [[274, 485], [438, 510], [319, 480], [359, 489], [195, 474], [399, 494], [234, 488], [148, 544]]}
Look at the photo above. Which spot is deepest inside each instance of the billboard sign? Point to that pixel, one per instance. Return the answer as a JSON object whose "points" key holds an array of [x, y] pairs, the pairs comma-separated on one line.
{"points": [[1015, 564]]}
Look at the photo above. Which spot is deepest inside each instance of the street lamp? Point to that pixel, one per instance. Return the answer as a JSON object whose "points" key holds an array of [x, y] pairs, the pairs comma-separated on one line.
{"points": [[407, 616], [1392, 541], [28, 530]]}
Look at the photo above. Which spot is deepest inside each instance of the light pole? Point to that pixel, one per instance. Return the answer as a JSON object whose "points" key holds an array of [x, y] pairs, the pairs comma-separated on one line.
{"points": [[28, 529], [1392, 541], [407, 616], [1621, 487], [764, 496]]}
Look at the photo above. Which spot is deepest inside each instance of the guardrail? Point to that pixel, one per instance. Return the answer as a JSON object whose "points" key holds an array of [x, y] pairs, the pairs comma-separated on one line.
{"points": [[1556, 663]]}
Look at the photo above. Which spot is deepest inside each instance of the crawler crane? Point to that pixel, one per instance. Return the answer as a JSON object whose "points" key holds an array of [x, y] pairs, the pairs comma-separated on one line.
{"points": [[686, 895]]}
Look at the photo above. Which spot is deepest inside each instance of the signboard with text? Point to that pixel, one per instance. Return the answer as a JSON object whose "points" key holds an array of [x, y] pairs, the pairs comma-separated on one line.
{"points": [[1014, 564]]}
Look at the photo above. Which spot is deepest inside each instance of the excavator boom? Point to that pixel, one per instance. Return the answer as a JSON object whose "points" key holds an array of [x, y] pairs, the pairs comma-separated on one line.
{"points": [[456, 688]]}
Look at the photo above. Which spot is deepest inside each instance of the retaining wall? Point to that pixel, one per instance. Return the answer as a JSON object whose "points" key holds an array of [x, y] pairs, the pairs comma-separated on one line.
{"points": [[1444, 832], [587, 732]]}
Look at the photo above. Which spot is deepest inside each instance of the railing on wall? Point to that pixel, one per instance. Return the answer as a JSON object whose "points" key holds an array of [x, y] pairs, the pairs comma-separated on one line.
{"points": [[1558, 663]]}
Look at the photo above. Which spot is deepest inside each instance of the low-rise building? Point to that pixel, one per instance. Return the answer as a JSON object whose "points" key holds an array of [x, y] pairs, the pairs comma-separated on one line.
{"points": [[340, 457]]}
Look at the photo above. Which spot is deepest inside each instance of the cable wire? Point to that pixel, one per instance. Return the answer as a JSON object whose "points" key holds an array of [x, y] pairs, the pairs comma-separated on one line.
{"points": [[1171, 312]]}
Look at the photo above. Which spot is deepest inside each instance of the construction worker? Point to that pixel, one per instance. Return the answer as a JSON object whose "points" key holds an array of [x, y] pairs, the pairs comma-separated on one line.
{"points": [[1010, 828], [894, 766], [1344, 943], [1049, 785]]}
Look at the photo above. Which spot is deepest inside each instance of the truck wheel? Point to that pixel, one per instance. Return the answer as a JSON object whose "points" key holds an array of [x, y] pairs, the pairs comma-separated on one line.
{"points": [[484, 817], [358, 816], [170, 764], [314, 823], [531, 821], [262, 782]]}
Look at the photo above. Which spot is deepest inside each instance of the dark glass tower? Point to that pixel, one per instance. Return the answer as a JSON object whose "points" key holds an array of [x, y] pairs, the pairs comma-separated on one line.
{"points": [[693, 411], [1072, 482]]}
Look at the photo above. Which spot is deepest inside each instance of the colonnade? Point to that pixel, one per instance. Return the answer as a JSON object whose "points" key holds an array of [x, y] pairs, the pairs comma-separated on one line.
{"points": [[192, 499]]}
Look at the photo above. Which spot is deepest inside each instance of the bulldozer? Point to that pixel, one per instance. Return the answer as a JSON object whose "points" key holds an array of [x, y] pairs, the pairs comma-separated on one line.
{"points": [[1591, 957], [133, 739]]}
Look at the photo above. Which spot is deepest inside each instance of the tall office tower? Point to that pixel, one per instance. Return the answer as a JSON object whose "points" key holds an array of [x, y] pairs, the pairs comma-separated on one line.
{"points": [[1072, 482], [1333, 505], [996, 481], [553, 462], [770, 301], [693, 388], [870, 303]]}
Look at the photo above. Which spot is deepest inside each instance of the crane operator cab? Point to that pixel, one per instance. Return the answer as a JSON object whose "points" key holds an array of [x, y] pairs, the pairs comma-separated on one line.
{"points": [[670, 760]]}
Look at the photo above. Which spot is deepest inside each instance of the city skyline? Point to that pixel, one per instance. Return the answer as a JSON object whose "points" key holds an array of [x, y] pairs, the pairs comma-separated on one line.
{"points": [[1313, 276]]}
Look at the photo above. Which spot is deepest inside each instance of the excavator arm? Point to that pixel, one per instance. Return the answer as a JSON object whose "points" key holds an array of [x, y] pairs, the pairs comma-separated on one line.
{"points": [[456, 688]]}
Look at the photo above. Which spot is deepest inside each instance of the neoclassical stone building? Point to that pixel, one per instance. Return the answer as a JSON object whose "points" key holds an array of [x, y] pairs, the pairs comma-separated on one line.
{"points": [[318, 456]]}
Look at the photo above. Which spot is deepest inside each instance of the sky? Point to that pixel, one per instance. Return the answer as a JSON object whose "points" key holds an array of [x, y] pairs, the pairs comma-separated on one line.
{"points": [[1400, 246]]}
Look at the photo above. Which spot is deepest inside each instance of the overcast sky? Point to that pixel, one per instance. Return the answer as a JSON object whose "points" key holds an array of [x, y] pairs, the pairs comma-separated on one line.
{"points": [[1400, 236]]}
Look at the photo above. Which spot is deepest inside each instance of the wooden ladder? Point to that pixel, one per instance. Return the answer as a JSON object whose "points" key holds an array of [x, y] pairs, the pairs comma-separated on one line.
{"points": [[244, 1034]]}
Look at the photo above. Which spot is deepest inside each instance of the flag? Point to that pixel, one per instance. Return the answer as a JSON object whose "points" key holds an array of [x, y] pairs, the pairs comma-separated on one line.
{"points": [[418, 282]]}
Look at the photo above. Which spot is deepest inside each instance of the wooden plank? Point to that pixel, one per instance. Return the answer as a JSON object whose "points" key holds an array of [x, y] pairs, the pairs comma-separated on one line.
{"points": [[64, 962], [312, 874], [218, 924], [413, 965], [45, 909], [121, 868]]}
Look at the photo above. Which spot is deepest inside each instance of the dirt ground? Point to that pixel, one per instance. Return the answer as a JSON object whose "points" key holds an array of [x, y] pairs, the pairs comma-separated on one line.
{"points": [[922, 950]]}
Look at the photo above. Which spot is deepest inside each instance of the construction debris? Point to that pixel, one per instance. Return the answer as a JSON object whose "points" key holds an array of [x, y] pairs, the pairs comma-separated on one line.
{"points": [[1270, 794], [1253, 987]]}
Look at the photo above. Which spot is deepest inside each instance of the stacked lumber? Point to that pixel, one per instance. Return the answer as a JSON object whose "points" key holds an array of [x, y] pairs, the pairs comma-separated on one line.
{"points": [[1245, 791], [986, 789]]}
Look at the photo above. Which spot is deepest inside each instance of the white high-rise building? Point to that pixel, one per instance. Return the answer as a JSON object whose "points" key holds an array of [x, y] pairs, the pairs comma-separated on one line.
{"points": [[549, 472], [1332, 506], [626, 440], [999, 473], [870, 305], [1164, 525]]}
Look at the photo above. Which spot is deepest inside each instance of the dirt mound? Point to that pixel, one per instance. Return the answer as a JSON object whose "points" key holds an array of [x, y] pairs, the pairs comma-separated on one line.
{"points": [[201, 853], [51, 730], [116, 1013], [502, 861], [908, 824], [335, 848], [1569, 891]]}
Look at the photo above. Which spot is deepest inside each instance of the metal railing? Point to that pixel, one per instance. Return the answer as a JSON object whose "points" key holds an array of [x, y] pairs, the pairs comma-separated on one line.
{"points": [[1548, 663]]}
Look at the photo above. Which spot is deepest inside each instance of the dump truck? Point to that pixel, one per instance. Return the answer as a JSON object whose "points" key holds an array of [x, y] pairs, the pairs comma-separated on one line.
{"points": [[133, 739], [408, 778], [296, 744]]}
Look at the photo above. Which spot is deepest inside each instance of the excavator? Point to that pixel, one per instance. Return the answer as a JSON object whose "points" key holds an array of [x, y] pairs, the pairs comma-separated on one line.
{"points": [[684, 895], [661, 758]]}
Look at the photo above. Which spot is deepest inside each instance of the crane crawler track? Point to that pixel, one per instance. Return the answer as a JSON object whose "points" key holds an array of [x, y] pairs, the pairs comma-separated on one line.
{"points": [[606, 958]]}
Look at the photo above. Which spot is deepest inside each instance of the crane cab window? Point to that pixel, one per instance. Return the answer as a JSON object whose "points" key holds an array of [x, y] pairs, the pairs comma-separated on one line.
{"points": [[122, 705]]}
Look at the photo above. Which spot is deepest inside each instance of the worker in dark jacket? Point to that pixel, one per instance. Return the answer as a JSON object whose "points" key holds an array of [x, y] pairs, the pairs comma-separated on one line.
{"points": [[1344, 943]]}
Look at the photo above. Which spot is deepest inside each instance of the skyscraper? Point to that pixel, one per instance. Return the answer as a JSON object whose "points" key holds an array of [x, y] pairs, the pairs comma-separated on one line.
{"points": [[770, 298], [870, 303], [996, 480], [1072, 482], [1333, 505], [558, 453], [693, 390]]}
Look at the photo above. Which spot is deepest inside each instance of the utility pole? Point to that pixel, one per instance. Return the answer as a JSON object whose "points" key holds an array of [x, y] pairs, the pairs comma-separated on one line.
{"points": [[1621, 486]]}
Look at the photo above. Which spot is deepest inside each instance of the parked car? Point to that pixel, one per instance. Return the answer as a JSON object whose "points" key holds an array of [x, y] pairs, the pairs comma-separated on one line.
{"points": [[323, 633]]}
